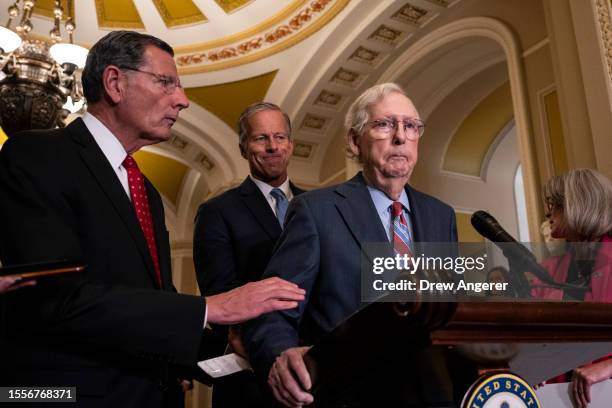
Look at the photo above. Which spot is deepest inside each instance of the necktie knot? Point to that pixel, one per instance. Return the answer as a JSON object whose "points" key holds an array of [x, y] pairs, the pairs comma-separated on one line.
{"points": [[278, 194], [129, 162], [396, 209]]}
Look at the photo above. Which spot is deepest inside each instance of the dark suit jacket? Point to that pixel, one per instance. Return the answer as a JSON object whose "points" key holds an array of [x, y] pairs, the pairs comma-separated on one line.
{"points": [[110, 331], [234, 236], [320, 251]]}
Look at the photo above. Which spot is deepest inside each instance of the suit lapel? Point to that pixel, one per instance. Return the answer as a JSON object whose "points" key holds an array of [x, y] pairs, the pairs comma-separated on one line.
{"points": [[259, 208], [419, 213], [106, 177], [359, 213]]}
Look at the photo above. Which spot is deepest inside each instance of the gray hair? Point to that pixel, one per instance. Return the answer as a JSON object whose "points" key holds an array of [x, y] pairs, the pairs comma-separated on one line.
{"points": [[586, 198], [358, 113], [243, 122], [124, 49]]}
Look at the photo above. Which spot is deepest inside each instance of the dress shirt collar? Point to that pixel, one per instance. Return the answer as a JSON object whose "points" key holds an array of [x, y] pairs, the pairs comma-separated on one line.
{"points": [[265, 188], [382, 202], [109, 144]]}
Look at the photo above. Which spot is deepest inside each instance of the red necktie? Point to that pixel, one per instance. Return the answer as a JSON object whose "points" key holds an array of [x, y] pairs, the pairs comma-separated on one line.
{"points": [[143, 212], [401, 233]]}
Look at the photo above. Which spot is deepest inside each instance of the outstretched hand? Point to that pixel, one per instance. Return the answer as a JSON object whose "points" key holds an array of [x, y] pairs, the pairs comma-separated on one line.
{"points": [[584, 377], [253, 299]]}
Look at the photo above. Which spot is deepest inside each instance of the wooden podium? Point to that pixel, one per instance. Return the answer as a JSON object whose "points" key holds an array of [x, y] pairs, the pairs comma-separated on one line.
{"points": [[477, 335]]}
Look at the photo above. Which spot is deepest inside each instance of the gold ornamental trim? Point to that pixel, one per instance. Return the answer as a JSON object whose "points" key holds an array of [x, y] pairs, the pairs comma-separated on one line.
{"points": [[231, 6], [105, 22], [300, 26], [603, 11], [172, 21], [250, 32]]}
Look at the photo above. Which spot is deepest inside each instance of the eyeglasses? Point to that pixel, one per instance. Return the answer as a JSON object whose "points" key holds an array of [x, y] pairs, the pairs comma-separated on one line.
{"points": [[386, 127], [280, 138], [168, 83]]}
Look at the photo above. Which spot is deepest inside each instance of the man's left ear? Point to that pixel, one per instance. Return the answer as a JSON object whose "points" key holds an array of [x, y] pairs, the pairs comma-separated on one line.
{"points": [[353, 141], [291, 146]]}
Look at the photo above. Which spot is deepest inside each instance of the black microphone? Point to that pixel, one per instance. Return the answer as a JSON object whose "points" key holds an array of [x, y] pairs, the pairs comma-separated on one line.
{"points": [[489, 228]]}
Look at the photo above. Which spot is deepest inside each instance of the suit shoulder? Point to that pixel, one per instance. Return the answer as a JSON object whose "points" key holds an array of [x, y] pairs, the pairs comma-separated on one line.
{"points": [[431, 201], [317, 195], [37, 145], [222, 200]]}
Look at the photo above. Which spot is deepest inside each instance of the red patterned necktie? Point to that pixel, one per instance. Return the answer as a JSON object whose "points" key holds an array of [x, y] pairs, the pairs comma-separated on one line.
{"points": [[141, 207], [401, 232]]}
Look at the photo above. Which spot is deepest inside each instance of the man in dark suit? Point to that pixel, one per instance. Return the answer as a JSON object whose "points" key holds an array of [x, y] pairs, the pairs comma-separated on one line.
{"points": [[320, 250], [117, 331], [235, 232]]}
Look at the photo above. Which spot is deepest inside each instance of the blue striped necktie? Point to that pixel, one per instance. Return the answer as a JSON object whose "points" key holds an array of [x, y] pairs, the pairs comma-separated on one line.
{"points": [[281, 204]]}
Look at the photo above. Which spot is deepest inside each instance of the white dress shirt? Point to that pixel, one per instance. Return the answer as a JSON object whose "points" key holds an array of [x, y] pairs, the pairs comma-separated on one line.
{"points": [[115, 154], [111, 147], [265, 189]]}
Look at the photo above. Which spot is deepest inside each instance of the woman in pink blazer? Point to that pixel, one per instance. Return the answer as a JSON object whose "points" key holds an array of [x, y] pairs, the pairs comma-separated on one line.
{"points": [[580, 210]]}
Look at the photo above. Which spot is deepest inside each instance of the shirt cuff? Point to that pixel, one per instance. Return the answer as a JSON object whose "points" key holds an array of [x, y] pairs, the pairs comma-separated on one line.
{"points": [[205, 316]]}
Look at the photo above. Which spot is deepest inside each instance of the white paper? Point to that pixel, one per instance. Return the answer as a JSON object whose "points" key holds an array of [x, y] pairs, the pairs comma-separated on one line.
{"points": [[224, 365], [557, 395]]}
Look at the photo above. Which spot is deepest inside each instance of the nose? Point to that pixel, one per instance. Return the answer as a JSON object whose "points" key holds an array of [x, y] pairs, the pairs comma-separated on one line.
{"points": [[271, 144], [401, 134], [180, 98]]}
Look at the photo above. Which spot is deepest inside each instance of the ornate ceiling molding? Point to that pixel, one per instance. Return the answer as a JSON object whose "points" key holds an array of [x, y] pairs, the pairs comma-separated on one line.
{"points": [[603, 10], [286, 33]]}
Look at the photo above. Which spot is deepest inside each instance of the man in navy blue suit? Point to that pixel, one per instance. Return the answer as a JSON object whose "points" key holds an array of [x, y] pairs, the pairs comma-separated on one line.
{"points": [[320, 251], [235, 232]]}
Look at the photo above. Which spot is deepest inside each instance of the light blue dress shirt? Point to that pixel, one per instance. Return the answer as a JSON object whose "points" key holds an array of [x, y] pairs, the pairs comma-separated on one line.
{"points": [[383, 207]]}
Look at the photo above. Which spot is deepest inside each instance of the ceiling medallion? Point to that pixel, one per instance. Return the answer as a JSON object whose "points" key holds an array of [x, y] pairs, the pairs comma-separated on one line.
{"points": [[287, 33]]}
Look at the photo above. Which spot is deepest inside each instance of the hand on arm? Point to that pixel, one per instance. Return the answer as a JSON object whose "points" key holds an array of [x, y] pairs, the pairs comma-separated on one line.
{"points": [[289, 378], [252, 300], [584, 377]]}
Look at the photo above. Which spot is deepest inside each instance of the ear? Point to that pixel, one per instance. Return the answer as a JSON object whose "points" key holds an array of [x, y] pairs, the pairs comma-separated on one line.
{"points": [[242, 151], [112, 84], [290, 148], [353, 142]]}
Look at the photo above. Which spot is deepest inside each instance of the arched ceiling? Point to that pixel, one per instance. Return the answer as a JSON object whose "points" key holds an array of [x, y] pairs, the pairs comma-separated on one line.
{"points": [[312, 57]]}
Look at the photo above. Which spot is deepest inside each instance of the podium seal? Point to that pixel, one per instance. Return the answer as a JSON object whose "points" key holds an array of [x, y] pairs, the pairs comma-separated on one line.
{"points": [[501, 390]]}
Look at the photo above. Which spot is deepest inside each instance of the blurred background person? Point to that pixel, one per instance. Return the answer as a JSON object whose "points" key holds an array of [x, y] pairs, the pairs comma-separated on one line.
{"points": [[498, 274], [579, 209]]}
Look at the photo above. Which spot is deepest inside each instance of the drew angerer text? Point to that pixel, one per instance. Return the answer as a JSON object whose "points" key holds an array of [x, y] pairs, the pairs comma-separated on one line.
{"points": [[424, 285], [459, 265]]}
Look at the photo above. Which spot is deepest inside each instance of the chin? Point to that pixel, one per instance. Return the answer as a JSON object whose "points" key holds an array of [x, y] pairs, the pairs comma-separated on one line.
{"points": [[397, 172]]}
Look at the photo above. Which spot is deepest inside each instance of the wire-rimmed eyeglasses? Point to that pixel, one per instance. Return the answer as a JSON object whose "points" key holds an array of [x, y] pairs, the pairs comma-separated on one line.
{"points": [[168, 83], [386, 127]]}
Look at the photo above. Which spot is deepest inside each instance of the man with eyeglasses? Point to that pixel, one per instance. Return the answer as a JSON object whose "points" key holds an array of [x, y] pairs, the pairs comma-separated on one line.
{"points": [[235, 232], [320, 250], [117, 332]]}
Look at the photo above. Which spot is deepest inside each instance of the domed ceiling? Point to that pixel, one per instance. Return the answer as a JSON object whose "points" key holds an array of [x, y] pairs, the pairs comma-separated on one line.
{"points": [[312, 57]]}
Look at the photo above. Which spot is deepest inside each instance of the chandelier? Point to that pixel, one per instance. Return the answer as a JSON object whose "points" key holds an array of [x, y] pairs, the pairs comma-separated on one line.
{"points": [[40, 83]]}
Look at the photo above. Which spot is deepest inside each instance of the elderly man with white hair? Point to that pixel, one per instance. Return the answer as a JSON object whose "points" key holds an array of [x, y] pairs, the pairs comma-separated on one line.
{"points": [[320, 251]]}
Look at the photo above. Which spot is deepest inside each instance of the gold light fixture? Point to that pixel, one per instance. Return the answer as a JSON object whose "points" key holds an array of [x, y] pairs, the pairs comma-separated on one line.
{"points": [[40, 84]]}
